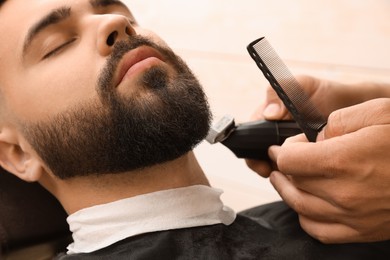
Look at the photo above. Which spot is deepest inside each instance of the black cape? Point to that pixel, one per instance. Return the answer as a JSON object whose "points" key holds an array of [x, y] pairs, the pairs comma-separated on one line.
{"points": [[270, 231]]}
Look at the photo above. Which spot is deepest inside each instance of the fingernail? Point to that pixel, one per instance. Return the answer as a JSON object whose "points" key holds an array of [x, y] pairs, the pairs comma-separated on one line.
{"points": [[321, 135], [272, 110], [273, 152]]}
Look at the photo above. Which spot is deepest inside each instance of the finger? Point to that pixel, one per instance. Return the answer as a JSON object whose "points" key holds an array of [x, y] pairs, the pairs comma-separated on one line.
{"points": [[272, 105], [298, 157], [302, 202], [273, 150], [258, 114], [262, 168], [322, 220], [326, 189], [278, 111], [330, 232], [296, 139], [351, 119], [274, 108]]}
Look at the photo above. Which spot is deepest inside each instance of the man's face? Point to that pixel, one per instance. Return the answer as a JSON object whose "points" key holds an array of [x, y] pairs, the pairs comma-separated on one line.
{"points": [[90, 93]]}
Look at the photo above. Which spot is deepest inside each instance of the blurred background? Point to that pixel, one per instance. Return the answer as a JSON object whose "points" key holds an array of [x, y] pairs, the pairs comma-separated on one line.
{"points": [[342, 40]]}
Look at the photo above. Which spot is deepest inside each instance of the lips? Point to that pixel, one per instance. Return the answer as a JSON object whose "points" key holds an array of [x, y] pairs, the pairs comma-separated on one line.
{"points": [[143, 55]]}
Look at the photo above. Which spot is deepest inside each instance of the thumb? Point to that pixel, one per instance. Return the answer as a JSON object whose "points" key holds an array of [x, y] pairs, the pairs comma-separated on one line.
{"points": [[351, 119], [273, 111], [274, 108]]}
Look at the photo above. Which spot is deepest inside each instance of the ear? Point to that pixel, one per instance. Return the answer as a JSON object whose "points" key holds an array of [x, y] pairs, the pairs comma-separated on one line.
{"points": [[17, 156]]}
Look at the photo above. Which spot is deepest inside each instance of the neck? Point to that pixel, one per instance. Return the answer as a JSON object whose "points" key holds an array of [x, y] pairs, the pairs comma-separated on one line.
{"points": [[83, 192]]}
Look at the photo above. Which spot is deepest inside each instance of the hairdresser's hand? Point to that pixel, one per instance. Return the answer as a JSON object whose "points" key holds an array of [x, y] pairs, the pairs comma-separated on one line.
{"points": [[273, 109], [328, 96], [340, 185]]}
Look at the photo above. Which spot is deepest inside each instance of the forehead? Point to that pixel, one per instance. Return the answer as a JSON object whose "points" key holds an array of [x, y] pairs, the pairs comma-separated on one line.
{"points": [[17, 16], [16, 12], [22, 10]]}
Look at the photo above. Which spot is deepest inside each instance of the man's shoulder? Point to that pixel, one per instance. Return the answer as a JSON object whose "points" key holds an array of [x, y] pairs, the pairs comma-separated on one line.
{"points": [[270, 231], [276, 216], [243, 239], [292, 240]]}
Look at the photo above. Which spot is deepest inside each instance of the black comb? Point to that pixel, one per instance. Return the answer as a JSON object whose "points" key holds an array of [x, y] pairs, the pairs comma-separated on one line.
{"points": [[287, 87]]}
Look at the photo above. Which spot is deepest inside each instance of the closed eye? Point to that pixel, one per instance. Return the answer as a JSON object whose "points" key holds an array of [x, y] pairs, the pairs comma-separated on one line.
{"points": [[58, 49]]}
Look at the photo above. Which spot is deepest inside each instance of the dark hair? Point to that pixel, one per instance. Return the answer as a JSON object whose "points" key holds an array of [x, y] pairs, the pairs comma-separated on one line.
{"points": [[2, 2]]}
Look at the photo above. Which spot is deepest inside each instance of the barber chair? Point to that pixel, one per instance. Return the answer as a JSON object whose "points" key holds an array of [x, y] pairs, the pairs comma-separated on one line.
{"points": [[32, 222]]}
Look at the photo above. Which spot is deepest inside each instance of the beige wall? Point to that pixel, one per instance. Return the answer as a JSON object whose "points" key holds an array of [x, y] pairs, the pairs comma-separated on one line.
{"points": [[346, 40]]}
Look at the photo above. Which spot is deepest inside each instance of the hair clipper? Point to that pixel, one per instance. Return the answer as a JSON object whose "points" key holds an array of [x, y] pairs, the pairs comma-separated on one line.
{"points": [[251, 140]]}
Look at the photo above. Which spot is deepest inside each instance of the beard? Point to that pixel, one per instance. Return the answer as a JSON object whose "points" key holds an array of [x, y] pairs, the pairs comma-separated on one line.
{"points": [[166, 117]]}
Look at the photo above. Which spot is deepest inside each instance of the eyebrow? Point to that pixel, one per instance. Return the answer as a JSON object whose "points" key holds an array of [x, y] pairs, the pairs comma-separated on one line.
{"points": [[58, 15], [54, 17], [104, 3]]}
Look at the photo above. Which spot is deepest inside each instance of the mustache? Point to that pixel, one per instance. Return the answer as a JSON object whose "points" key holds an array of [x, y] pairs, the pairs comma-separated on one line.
{"points": [[106, 78]]}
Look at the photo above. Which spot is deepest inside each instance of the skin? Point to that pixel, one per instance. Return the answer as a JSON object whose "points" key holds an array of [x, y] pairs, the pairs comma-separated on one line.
{"points": [[339, 185], [37, 83], [33, 88]]}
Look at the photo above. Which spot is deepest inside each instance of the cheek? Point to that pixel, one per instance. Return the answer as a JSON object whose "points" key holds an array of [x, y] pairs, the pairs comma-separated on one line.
{"points": [[52, 92]]}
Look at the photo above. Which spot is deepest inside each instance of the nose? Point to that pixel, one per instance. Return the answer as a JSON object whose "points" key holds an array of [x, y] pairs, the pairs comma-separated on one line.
{"points": [[113, 28]]}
